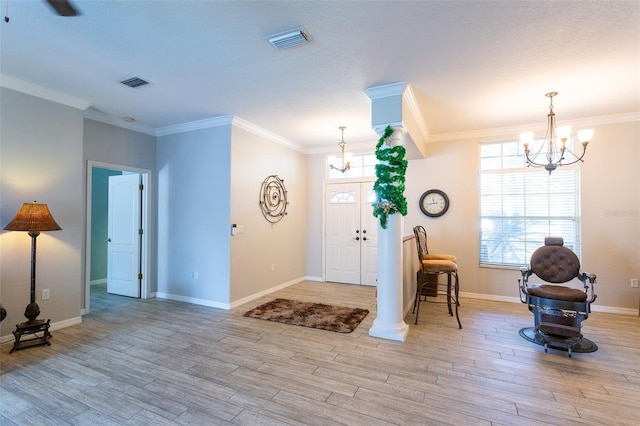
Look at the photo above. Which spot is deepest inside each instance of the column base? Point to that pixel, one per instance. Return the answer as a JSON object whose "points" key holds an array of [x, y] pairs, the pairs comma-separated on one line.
{"points": [[397, 332]]}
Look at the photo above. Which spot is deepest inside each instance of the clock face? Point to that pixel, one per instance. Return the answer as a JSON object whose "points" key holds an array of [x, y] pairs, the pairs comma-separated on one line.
{"points": [[434, 203]]}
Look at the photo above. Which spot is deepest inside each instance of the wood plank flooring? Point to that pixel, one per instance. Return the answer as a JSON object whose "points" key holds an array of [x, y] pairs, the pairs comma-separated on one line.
{"points": [[159, 362]]}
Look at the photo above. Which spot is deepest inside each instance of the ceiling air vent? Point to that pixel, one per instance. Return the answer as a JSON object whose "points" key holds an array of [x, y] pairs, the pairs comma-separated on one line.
{"points": [[289, 39], [134, 82]]}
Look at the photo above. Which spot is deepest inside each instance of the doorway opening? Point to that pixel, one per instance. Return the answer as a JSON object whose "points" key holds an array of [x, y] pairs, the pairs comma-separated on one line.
{"points": [[99, 256]]}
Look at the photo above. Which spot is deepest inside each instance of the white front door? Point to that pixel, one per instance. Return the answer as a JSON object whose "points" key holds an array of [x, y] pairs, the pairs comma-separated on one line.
{"points": [[369, 240], [351, 234], [124, 224]]}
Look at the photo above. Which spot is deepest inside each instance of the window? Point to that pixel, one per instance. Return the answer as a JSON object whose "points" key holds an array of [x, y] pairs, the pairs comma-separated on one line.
{"points": [[520, 206], [341, 197], [362, 165]]}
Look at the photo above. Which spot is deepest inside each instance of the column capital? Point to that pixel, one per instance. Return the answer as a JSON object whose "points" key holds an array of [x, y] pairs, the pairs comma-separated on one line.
{"points": [[386, 90], [398, 137], [397, 127]]}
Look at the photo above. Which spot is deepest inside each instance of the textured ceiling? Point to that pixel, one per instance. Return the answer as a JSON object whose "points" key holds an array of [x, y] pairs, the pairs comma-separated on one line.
{"points": [[472, 65]]}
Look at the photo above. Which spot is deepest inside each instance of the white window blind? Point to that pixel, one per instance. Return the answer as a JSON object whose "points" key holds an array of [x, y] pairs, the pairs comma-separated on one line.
{"points": [[520, 206]]}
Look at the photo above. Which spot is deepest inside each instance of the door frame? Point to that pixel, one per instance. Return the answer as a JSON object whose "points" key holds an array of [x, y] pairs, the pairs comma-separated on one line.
{"points": [[146, 235], [326, 182]]}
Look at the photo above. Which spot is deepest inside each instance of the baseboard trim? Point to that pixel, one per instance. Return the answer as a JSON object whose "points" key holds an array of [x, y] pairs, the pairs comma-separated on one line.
{"points": [[193, 300], [223, 305], [54, 326], [266, 292], [594, 307], [98, 282]]}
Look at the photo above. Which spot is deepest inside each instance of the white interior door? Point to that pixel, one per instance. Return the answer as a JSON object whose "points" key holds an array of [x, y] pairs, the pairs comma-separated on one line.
{"points": [[351, 234], [124, 223]]}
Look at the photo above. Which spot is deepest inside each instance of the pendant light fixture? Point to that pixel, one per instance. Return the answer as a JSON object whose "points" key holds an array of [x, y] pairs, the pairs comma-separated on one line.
{"points": [[346, 163], [554, 148]]}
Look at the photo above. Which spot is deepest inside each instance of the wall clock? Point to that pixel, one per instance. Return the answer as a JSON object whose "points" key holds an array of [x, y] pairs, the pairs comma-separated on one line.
{"points": [[434, 203]]}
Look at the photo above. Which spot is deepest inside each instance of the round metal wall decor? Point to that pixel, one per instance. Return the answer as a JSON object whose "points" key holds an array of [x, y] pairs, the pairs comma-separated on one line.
{"points": [[273, 199]]}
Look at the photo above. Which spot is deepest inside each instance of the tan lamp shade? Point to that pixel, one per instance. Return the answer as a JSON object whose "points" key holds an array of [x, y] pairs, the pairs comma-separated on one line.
{"points": [[33, 217]]}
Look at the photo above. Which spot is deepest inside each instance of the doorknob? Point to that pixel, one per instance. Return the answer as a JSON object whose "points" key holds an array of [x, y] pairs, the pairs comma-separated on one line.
{"points": [[108, 240], [364, 238], [357, 238]]}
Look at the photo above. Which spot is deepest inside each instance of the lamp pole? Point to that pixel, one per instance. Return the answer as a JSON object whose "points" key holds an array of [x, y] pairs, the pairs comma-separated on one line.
{"points": [[33, 310]]}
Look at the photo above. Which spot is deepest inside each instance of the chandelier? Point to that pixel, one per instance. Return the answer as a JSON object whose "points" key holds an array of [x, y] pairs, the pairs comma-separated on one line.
{"points": [[346, 164], [553, 152]]}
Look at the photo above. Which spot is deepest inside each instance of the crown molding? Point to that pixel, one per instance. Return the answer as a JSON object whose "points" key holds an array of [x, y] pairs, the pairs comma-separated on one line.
{"points": [[259, 131], [222, 120], [42, 92], [100, 116], [516, 130], [226, 120], [414, 109]]}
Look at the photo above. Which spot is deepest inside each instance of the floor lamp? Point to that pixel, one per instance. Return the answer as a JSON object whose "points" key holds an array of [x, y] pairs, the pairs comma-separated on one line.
{"points": [[33, 218]]}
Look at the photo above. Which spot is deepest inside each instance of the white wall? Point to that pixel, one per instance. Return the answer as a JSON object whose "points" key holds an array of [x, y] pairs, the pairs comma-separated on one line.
{"points": [[610, 180], [194, 215], [41, 159], [263, 244]]}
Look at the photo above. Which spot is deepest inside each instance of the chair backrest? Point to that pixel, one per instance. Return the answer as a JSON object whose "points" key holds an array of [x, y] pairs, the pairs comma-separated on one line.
{"points": [[555, 263], [421, 241]]}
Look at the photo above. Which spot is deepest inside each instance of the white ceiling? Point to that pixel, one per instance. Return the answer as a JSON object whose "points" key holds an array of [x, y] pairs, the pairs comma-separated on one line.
{"points": [[472, 65]]}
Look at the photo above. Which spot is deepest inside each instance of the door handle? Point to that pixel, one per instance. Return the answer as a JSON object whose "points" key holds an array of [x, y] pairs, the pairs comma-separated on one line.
{"points": [[364, 238], [108, 240], [357, 238]]}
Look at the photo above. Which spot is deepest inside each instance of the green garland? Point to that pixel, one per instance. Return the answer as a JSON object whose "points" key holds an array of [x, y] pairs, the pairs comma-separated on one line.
{"points": [[389, 186]]}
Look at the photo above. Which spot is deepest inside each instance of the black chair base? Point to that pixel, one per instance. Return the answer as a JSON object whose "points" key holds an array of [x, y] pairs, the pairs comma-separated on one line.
{"points": [[428, 288], [583, 346]]}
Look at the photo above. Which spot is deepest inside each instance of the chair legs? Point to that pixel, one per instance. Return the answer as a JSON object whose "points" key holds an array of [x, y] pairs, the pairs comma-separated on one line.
{"points": [[453, 291], [454, 299]]}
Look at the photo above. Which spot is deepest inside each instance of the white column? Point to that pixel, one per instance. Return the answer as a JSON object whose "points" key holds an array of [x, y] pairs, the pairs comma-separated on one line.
{"points": [[389, 322], [387, 109]]}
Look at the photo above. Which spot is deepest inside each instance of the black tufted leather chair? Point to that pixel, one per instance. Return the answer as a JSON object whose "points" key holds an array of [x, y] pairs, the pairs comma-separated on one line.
{"points": [[558, 310]]}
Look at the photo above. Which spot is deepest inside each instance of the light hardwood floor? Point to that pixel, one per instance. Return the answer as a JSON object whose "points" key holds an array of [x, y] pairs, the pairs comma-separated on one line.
{"points": [[156, 362]]}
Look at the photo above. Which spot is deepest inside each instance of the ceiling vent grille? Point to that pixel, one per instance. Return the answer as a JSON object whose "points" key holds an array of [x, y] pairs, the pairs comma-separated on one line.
{"points": [[134, 82], [289, 39]]}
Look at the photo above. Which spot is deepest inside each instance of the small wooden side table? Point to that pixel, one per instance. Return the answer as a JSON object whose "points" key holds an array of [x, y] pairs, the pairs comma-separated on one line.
{"points": [[39, 329]]}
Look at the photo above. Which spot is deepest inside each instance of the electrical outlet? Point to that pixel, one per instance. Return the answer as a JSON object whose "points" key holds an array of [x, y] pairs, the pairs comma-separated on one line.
{"points": [[634, 283], [273, 267], [45, 294], [194, 275]]}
